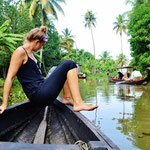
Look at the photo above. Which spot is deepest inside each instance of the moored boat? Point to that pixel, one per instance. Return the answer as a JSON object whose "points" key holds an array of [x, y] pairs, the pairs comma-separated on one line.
{"points": [[143, 81], [54, 127]]}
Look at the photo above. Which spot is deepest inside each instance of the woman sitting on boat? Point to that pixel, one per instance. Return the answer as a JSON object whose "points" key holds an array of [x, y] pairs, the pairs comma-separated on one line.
{"points": [[119, 75], [39, 90]]}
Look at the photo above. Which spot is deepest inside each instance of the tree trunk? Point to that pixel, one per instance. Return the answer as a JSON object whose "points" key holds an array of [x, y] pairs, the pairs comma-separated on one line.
{"points": [[41, 51], [121, 47], [94, 51], [121, 43], [44, 68], [42, 22]]}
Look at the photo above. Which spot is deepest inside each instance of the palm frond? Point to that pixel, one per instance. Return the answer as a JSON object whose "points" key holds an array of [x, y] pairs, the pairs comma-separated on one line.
{"points": [[52, 10], [58, 7], [43, 3], [33, 8]]}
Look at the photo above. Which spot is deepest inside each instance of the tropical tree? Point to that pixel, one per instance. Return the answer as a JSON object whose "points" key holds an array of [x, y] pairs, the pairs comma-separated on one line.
{"points": [[139, 31], [121, 60], [52, 49], [135, 3], [8, 40], [105, 56], [120, 27], [90, 20], [47, 7], [67, 41], [7, 46]]}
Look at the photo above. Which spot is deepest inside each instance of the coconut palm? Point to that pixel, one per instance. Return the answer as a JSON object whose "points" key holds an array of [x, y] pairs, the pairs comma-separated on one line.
{"points": [[90, 20], [121, 60], [47, 7], [66, 33], [120, 26], [67, 41], [105, 56]]}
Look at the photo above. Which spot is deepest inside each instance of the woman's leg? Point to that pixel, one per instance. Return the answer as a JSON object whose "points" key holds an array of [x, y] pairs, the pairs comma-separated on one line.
{"points": [[78, 103], [52, 86], [67, 97]]}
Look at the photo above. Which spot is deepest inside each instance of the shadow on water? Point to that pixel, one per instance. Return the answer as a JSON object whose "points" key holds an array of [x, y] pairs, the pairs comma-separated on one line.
{"points": [[123, 113]]}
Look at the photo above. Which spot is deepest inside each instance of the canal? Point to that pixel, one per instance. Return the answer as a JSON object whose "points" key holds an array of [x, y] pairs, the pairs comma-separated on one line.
{"points": [[123, 114]]}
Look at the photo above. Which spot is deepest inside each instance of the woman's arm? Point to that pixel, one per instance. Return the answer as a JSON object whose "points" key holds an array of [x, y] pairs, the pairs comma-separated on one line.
{"points": [[17, 60]]}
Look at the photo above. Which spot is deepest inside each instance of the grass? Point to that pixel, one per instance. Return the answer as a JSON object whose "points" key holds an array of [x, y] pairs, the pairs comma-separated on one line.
{"points": [[1, 82], [16, 96]]}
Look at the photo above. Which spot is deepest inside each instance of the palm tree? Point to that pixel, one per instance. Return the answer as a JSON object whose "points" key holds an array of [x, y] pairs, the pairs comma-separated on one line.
{"points": [[120, 26], [46, 7], [121, 60], [67, 40], [105, 56], [90, 21], [67, 34]]}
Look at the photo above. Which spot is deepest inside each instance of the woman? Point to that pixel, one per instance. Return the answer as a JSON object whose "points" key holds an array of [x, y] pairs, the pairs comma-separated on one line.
{"points": [[40, 91]]}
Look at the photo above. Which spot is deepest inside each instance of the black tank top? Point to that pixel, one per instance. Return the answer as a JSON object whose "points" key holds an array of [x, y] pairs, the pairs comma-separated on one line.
{"points": [[30, 76]]}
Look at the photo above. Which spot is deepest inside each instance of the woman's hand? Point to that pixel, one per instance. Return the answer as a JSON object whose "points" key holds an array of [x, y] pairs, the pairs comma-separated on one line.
{"points": [[2, 109]]}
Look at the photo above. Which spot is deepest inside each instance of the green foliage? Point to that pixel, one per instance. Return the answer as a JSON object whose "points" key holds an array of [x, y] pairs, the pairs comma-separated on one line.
{"points": [[139, 30], [121, 60], [120, 24], [8, 40], [1, 82], [19, 23], [51, 50], [85, 59], [47, 7], [90, 19], [105, 62], [17, 94], [67, 41]]}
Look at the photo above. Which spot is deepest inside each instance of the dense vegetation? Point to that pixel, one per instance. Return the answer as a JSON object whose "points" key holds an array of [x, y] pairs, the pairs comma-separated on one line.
{"points": [[139, 30], [60, 47]]}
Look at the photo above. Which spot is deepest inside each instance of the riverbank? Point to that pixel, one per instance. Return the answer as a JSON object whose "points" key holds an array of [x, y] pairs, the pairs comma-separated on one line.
{"points": [[16, 96]]}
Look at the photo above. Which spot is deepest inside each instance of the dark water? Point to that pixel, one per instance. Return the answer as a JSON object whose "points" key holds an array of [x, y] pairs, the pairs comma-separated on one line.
{"points": [[123, 114]]}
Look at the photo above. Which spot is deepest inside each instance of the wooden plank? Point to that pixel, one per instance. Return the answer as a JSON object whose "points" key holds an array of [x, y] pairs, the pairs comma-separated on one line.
{"points": [[40, 134]]}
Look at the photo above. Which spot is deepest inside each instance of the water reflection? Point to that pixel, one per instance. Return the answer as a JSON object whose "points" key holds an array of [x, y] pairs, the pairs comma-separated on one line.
{"points": [[128, 92], [123, 113]]}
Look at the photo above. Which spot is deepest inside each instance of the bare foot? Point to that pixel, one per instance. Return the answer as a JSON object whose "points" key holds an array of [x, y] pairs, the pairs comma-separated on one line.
{"points": [[67, 101], [84, 106]]}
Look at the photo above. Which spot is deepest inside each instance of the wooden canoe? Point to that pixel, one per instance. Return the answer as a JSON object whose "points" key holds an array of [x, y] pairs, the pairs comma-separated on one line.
{"points": [[21, 124], [131, 82]]}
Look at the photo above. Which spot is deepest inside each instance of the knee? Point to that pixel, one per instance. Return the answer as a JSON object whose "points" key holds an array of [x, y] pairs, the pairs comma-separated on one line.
{"points": [[70, 64]]}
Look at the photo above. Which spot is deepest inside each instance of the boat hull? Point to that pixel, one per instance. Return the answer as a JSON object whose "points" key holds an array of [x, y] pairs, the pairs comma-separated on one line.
{"points": [[20, 123], [131, 82]]}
